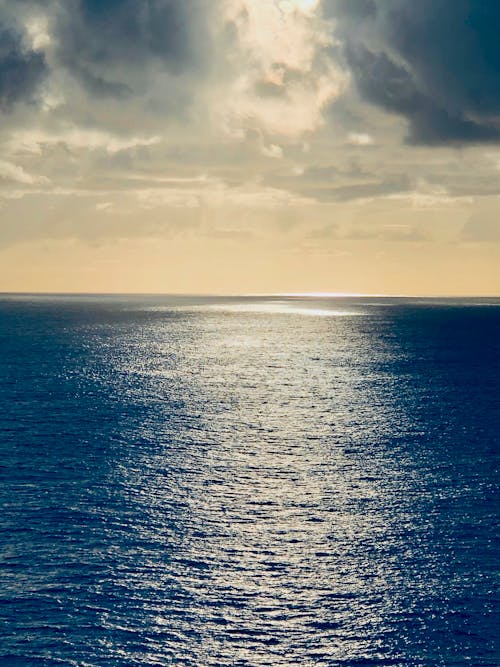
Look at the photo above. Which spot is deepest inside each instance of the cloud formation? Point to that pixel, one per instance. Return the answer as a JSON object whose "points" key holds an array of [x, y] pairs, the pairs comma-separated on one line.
{"points": [[434, 62], [21, 68], [260, 65], [107, 44]]}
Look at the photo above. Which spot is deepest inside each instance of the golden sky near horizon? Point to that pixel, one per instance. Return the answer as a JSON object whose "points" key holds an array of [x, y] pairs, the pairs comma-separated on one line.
{"points": [[249, 146]]}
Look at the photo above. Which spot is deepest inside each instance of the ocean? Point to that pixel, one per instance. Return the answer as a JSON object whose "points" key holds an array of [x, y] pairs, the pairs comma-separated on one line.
{"points": [[268, 481]]}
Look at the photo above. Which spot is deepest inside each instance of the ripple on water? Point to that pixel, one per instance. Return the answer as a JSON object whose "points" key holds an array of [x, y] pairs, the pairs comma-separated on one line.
{"points": [[236, 483]]}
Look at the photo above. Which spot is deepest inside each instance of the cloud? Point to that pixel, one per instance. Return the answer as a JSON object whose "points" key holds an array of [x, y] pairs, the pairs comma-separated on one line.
{"points": [[14, 173], [231, 66], [104, 206], [32, 141], [109, 44], [397, 233], [21, 69], [273, 151], [359, 139], [434, 62], [280, 75], [214, 193], [357, 191]]}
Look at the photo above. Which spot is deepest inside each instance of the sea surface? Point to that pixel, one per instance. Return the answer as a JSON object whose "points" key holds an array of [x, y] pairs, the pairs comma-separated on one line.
{"points": [[249, 481]]}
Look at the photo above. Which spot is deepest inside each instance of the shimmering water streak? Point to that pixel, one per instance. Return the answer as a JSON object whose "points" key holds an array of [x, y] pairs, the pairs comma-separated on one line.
{"points": [[242, 483]]}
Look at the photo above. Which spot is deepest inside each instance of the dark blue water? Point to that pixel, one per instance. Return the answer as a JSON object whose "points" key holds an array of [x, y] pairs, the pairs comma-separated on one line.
{"points": [[239, 482]]}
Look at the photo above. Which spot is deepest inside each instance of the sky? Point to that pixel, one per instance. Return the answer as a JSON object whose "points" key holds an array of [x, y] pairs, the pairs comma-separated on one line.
{"points": [[250, 146]]}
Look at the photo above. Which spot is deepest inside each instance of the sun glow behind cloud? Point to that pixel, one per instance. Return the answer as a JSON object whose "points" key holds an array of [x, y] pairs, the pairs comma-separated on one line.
{"points": [[287, 78]]}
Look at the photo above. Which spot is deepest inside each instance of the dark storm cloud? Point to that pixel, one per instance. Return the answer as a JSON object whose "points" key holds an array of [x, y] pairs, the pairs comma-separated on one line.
{"points": [[435, 62], [109, 46], [105, 43], [21, 69]]}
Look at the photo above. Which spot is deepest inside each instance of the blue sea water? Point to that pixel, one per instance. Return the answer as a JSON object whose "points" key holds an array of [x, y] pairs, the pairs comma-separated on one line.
{"points": [[248, 482]]}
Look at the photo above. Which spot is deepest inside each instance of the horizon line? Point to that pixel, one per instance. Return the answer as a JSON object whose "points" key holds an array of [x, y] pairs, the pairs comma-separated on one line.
{"points": [[305, 295]]}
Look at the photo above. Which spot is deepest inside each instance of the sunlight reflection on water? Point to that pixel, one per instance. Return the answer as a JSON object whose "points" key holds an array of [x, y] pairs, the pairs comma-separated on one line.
{"points": [[281, 308], [306, 307]]}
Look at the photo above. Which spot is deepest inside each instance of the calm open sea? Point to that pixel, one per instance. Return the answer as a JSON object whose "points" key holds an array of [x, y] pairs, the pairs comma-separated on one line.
{"points": [[251, 481]]}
